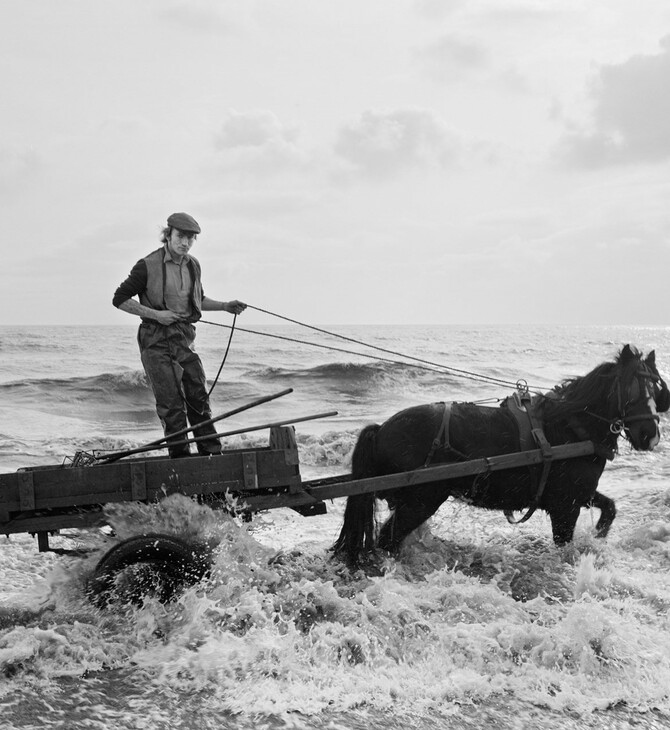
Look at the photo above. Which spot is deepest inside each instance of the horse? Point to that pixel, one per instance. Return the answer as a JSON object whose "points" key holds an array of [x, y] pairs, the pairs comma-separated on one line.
{"points": [[620, 397]]}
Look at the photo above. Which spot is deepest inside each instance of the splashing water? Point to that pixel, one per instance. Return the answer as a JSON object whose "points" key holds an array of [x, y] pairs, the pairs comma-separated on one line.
{"points": [[471, 614]]}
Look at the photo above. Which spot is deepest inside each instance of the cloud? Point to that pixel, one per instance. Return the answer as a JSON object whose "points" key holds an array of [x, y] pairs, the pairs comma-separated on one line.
{"points": [[437, 9], [511, 17], [452, 58], [631, 117], [254, 129], [108, 236], [260, 205], [125, 126], [384, 143], [17, 168], [259, 143], [201, 17]]}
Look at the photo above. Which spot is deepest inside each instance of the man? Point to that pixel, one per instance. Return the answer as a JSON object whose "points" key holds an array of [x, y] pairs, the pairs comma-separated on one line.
{"points": [[171, 298]]}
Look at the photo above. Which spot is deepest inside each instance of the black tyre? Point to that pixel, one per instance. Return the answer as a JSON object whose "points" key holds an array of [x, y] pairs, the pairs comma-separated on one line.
{"points": [[154, 564]]}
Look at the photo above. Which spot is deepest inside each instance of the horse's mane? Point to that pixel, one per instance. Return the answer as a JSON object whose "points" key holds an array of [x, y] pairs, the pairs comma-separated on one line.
{"points": [[591, 391]]}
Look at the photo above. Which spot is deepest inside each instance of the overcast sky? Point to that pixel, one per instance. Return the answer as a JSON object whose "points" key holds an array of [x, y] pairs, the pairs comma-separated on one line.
{"points": [[349, 161]]}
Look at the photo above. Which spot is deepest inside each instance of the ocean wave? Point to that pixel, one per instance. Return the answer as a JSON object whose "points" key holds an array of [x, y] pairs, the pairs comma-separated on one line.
{"points": [[126, 382], [332, 449], [123, 386], [31, 343], [359, 376]]}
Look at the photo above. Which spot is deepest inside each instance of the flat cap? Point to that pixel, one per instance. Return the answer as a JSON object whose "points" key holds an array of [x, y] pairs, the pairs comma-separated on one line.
{"points": [[184, 222]]}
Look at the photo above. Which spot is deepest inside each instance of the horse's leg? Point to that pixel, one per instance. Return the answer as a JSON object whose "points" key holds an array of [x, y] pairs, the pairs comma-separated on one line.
{"points": [[357, 533], [607, 513], [563, 521], [410, 512], [387, 531]]}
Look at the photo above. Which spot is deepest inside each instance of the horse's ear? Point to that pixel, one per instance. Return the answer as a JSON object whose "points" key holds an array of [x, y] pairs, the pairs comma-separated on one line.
{"points": [[651, 359], [626, 354]]}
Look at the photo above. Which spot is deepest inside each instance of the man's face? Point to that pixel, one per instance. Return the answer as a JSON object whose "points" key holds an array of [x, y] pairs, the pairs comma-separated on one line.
{"points": [[180, 242]]}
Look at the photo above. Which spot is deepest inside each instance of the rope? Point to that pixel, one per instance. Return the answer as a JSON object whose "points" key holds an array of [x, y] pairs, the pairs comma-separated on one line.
{"points": [[456, 371], [313, 344], [425, 364], [225, 355]]}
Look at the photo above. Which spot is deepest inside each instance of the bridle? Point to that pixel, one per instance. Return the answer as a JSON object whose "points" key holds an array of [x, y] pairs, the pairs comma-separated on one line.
{"points": [[622, 421]]}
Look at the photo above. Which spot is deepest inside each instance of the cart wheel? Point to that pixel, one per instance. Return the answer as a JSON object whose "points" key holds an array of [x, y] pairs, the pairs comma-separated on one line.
{"points": [[154, 564]]}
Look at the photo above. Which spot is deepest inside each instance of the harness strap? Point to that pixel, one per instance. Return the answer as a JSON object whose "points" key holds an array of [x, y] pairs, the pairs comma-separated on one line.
{"points": [[545, 447], [442, 437], [441, 440]]}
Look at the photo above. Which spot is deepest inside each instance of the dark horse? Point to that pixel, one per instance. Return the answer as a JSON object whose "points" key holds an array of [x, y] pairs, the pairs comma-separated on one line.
{"points": [[617, 397]]}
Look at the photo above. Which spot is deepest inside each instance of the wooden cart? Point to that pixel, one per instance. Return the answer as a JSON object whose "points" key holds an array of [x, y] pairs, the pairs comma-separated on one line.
{"points": [[43, 500]]}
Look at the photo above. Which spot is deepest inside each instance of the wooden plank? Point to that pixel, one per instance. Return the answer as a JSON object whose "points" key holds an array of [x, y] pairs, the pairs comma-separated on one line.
{"points": [[80, 501], [60, 487], [418, 476], [26, 490], [50, 523], [9, 494], [138, 481], [282, 438], [191, 490], [250, 471]]}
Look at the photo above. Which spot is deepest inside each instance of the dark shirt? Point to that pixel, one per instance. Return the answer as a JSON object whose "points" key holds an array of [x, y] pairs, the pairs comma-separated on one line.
{"points": [[134, 285]]}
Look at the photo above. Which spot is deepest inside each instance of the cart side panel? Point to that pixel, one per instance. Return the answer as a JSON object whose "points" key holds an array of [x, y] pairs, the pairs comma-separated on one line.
{"points": [[28, 493]]}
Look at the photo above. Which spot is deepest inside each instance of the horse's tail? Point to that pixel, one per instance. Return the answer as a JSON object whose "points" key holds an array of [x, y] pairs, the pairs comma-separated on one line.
{"points": [[357, 534]]}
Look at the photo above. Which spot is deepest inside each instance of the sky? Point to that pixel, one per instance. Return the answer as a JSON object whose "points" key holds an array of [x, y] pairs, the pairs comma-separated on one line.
{"points": [[351, 161]]}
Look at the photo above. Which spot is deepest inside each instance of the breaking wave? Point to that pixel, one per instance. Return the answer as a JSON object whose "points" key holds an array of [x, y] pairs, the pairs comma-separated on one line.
{"points": [[130, 382]]}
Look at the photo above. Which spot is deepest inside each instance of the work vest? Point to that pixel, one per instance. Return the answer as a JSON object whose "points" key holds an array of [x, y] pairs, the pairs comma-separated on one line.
{"points": [[154, 295]]}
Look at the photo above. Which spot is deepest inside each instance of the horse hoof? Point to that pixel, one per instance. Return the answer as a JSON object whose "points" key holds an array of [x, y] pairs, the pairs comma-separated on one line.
{"points": [[154, 564]]}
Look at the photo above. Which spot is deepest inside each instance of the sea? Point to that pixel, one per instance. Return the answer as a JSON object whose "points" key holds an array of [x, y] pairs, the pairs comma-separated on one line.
{"points": [[476, 623]]}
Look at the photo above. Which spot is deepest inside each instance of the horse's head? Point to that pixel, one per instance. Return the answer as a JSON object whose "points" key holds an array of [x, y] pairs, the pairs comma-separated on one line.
{"points": [[639, 393]]}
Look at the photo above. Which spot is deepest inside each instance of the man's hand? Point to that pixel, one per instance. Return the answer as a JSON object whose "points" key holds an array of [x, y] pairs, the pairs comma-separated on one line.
{"points": [[162, 316], [235, 306], [165, 316]]}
